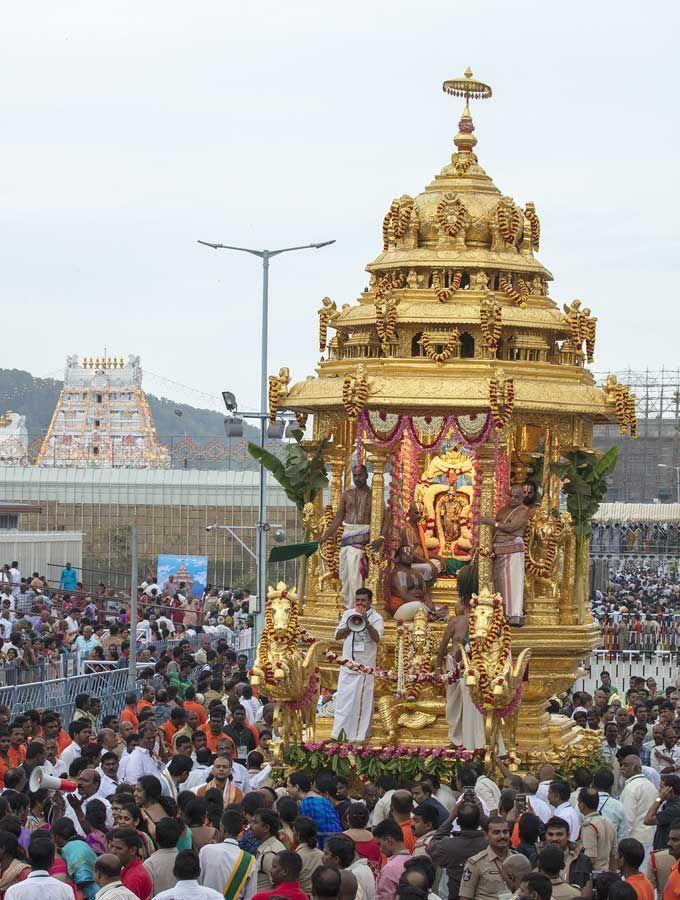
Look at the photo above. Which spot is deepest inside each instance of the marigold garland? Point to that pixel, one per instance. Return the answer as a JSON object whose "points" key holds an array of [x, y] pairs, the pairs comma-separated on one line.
{"points": [[430, 341], [355, 392], [501, 399], [479, 647], [383, 674], [511, 293], [451, 215], [490, 316], [535, 223], [385, 320], [509, 218]]}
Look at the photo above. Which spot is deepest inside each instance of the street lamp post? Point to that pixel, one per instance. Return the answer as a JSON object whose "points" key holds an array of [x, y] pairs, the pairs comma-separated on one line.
{"points": [[265, 256]]}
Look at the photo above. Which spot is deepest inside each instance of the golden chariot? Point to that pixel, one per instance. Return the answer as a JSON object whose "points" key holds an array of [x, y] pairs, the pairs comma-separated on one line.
{"points": [[453, 376]]}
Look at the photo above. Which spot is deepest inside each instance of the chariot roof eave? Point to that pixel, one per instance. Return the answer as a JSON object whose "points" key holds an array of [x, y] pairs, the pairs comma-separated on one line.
{"points": [[411, 385], [469, 259], [427, 312]]}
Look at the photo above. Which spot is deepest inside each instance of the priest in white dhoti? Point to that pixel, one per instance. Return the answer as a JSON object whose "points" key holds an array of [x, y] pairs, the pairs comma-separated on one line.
{"points": [[466, 725], [354, 696], [354, 514]]}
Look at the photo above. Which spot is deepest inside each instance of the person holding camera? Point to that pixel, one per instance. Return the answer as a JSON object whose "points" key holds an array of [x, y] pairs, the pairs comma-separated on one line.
{"points": [[360, 629]]}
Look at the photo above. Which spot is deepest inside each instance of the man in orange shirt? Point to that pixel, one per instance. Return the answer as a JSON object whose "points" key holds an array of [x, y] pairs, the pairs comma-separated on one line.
{"points": [[129, 713], [672, 889], [631, 855], [51, 728], [401, 807], [148, 698], [214, 728], [177, 720], [16, 752], [190, 703]]}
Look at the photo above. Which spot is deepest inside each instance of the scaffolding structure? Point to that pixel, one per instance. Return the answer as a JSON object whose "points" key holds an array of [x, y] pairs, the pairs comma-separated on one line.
{"points": [[649, 468]]}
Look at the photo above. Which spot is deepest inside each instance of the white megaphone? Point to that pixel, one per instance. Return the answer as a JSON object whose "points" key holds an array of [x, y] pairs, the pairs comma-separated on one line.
{"points": [[42, 779]]}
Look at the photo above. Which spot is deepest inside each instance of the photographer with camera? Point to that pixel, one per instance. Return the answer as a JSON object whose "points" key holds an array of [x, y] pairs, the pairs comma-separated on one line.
{"points": [[360, 630]]}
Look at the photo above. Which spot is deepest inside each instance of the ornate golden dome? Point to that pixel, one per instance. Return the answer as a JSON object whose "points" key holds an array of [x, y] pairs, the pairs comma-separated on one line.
{"points": [[456, 289]]}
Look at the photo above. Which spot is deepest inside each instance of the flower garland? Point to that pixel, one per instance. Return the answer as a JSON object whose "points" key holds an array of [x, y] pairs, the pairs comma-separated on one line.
{"points": [[309, 695], [452, 425], [430, 341], [451, 215], [476, 504], [385, 320], [501, 394], [355, 392], [392, 674], [490, 316], [366, 762], [502, 478], [511, 293], [498, 630], [510, 708]]}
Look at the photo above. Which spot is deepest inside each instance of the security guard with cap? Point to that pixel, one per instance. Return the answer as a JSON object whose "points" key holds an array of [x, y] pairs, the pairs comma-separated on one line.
{"points": [[483, 873]]}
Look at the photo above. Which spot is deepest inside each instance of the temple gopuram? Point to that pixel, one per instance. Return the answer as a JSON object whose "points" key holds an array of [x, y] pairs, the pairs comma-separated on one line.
{"points": [[463, 387], [102, 419]]}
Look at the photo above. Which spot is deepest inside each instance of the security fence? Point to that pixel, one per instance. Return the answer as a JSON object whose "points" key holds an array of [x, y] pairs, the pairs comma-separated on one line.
{"points": [[59, 694]]}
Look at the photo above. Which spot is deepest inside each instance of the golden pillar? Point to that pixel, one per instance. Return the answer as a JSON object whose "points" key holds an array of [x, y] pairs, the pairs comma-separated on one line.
{"points": [[376, 457], [486, 509]]}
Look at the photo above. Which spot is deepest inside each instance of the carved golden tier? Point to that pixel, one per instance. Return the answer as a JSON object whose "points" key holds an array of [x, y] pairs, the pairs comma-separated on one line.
{"points": [[456, 320]]}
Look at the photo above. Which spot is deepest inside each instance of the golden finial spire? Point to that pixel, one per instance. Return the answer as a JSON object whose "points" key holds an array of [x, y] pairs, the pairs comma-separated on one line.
{"points": [[469, 88]]}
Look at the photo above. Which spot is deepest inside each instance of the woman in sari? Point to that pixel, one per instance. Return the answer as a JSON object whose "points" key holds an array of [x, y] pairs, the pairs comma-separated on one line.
{"points": [[78, 856], [152, 805], [12, 867], [128, 815]]}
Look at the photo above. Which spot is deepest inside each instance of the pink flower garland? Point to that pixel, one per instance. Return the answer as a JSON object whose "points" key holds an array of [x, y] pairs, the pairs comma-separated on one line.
{"points": [[451, 424], [309, 695], [508, 710], [391, 675], [388, 752]]}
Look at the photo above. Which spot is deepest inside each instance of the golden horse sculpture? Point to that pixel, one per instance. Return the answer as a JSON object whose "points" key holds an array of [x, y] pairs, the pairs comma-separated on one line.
{"points": [[288, 675], [494, 682]]}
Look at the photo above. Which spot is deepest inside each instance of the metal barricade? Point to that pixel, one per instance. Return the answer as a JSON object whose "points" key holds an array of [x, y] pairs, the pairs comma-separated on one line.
{"points": [[59, 694]]}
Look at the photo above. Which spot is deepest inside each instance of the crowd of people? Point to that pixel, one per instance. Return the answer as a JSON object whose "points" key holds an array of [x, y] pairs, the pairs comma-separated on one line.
{"points": [[174, 799], [41, 623], [638, 612]]}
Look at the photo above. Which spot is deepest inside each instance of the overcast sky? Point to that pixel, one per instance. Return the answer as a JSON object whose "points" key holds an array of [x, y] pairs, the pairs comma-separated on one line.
{"points": [[130, 129]]}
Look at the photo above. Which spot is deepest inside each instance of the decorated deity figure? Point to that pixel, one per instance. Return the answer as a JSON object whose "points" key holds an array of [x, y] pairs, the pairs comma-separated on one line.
{"points": [[418, 701], [354, 514]]}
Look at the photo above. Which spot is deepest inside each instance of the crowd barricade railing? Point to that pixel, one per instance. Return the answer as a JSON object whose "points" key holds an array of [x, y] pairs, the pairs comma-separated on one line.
{"points": [[59, 694]]}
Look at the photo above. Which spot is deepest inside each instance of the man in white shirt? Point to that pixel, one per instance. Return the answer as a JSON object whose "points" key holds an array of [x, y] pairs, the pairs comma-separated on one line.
{"points": [[546, 775], [15, 576], [251, 704], [666, 756], [40, 885], [187, 871], [81, 732], [89, 788], [200, 771], [143, 760], [559, 793], [637, 796], [219, 862], [354, 696], [539, 807], [239, 773]]}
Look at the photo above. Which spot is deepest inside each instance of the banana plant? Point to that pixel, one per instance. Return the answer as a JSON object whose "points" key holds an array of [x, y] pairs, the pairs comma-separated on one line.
{"points": [[583, 475], [301, 473]]}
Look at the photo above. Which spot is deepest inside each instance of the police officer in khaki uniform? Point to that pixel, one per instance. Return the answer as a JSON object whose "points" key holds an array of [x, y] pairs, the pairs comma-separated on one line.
{"points": [[483, 873]]}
